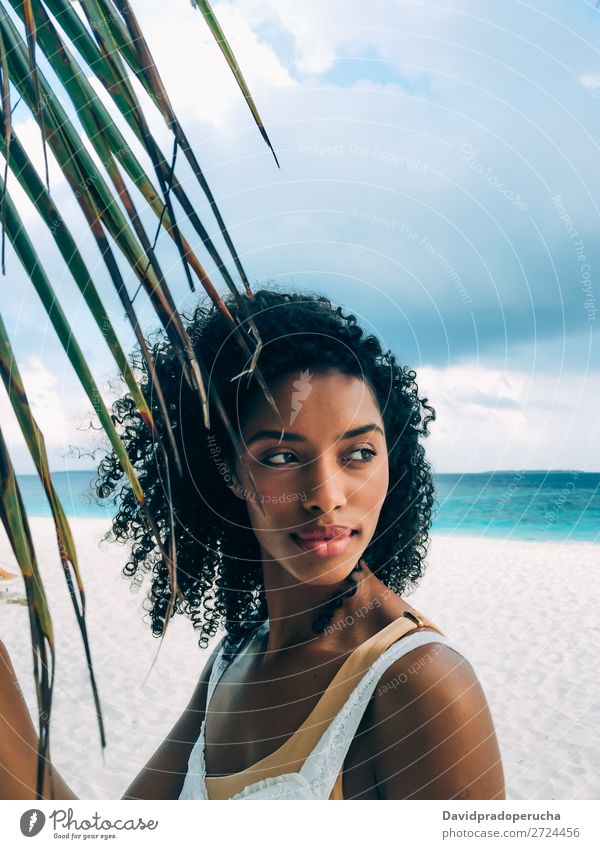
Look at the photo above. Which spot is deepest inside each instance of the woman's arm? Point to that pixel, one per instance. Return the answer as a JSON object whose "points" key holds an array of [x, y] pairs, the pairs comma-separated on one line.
{"points": [[19, 743], [163, 776], [432, 733]]}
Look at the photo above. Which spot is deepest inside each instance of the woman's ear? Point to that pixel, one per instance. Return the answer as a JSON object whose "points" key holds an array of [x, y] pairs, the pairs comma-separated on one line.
{"points": [[236, 487]]}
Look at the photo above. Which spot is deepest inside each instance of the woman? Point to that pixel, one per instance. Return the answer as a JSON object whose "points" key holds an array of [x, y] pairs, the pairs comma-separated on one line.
{"points": [[327, 684]]}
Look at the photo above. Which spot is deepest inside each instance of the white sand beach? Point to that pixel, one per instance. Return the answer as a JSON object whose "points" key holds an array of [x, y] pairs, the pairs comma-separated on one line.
{"points": [[524, 613]]}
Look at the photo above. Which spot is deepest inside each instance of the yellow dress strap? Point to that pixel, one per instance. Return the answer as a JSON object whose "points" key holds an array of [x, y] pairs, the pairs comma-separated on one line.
{"points": [[420, 621], [291, 755]]}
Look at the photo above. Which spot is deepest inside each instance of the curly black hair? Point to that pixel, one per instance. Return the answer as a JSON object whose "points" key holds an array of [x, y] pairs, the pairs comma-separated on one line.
{"points": [[219, 569]]}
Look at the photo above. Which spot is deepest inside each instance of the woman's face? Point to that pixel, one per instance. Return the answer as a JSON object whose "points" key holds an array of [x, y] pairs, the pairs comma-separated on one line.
{"points": [[330, 469]]}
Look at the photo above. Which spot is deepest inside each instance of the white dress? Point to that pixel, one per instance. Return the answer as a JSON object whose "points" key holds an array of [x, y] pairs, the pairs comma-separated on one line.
{"points": [[318, 774]]}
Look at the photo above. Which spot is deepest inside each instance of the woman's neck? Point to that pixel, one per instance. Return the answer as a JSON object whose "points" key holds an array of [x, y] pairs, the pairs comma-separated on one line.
{"points": [[293, 608]]}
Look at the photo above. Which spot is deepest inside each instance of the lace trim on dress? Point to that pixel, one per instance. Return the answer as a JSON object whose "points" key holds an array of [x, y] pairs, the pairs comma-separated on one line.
{"points": [[323, 764], [318, 774]]}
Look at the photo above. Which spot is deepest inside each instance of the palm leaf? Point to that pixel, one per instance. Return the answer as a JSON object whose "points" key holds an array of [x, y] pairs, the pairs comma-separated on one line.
{"points": [[35, 270], [215, 28], [123, 95], [147, 73], [97, 127], [137, 55], [30, 30], [35, 442], [18, 532], [95, 199], [7, 134], [29, 179], [114, 47], [76, 163], [99, 206], [33, 266], [93, 113]]}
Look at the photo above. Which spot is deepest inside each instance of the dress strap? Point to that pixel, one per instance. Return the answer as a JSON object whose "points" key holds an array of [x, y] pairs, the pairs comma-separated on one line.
{"points": [[222, 662], [318, 748], [323, 766]]}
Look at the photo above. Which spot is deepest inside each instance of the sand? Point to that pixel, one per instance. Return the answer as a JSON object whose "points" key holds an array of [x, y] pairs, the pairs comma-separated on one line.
{"points": [[524, 613]]}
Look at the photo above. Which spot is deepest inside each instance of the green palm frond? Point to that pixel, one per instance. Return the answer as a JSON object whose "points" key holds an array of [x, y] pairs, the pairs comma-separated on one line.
{"points": [[14, 519], [7, 135], [66, 547], [117, 196], [215, 28]]}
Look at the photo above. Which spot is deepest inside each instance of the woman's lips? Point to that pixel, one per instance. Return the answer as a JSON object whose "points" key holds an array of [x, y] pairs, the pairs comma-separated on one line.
{"points": [[325, 547]]}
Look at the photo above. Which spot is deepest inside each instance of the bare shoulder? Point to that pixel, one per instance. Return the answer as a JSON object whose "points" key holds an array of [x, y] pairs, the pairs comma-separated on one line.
{"points": [[431, 730], [163, 775], [19, 744]]}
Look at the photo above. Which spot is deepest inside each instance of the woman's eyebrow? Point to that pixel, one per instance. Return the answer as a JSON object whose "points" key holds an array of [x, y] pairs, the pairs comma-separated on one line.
{"points": [[297, 437]]}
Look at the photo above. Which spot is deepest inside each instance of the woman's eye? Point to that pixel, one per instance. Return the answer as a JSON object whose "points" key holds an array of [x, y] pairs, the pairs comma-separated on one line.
{"points": [[368, 459], [271, 460], [267, 460]]}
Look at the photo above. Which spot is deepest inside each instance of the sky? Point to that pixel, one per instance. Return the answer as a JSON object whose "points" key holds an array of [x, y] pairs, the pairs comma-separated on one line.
{"points": [[439, 179]]}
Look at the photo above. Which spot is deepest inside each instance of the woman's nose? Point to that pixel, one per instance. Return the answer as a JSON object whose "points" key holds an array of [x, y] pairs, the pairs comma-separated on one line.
{"points": [[325, 486]]}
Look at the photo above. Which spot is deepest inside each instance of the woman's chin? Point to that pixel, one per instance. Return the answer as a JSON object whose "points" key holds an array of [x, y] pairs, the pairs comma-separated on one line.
{"points": [[319, 571]]}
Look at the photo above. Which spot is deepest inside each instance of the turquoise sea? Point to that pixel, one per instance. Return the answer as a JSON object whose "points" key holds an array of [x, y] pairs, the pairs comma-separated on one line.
{"points": [[528, 505]]}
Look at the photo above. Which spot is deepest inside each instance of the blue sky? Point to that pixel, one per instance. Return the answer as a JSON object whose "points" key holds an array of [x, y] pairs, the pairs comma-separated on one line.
{"points": [[438, 178]]}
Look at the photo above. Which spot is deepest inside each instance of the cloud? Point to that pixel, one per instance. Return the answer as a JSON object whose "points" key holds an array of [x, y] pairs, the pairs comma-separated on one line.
{"points": [[421, 149], [490, 418], [29, 134], [47, 405], [591, 82], [61, 410], [475, 391], [203, 88], [322, 33]]}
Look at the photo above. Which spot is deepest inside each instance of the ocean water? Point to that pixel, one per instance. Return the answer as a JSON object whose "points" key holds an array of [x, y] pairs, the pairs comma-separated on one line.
{"points": [[74, 490], [531, 505]]}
